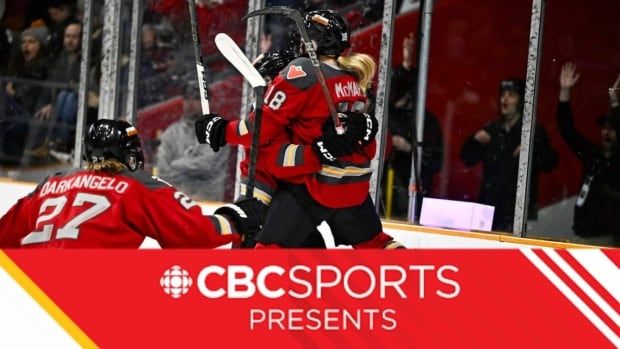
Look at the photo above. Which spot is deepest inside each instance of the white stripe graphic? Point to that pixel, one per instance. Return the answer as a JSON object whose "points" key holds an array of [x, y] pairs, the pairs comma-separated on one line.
{"points": [[568, 293], [583, 284], [601, 268], [24, 323]]}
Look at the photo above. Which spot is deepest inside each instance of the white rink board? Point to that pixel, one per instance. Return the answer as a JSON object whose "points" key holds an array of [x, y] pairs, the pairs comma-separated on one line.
{"points": [[11, 192]]}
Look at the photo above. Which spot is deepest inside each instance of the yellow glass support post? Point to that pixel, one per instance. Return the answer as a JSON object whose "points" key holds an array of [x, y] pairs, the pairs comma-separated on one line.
{"points": [[389, 192]]}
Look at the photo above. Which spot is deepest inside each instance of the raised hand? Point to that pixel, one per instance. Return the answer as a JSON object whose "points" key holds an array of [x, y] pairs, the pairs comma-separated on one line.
{"points": [[568, 79], [568, 76], [614, 93]]}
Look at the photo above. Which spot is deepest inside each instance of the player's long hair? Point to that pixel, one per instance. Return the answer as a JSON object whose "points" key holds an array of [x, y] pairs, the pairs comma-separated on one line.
{"points": [[362, 65], [107, 165]]}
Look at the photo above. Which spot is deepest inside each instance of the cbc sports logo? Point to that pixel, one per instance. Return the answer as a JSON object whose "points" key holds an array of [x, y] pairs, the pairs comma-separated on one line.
{"points": [[176, 282]]}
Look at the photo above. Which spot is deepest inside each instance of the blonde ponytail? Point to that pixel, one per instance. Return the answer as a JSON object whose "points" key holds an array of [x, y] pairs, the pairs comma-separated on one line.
{"points": [[362, 65], [108, 165]]}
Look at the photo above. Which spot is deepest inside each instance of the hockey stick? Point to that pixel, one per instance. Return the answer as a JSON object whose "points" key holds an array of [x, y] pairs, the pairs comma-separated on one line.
{"points": [[229, 49], [233, 54], [200, 67], [296, 16]]}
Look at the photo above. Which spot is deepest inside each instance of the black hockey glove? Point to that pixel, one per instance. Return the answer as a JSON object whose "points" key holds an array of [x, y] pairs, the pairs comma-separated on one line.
{"points": [[330, 145], [361, 127], [247, 216], [211, 129]]}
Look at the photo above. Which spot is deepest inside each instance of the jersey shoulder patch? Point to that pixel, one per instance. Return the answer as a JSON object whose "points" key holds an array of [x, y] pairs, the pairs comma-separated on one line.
{"points": [[295, 72], [300, 73]]}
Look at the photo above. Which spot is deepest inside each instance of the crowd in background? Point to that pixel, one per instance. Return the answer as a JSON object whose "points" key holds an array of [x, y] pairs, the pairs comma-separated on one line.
{"points": [[40, 54], [40, 70]]}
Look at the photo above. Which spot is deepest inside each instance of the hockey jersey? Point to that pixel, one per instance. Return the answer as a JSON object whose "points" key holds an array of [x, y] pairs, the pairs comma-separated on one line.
{"points": [[82, 209], [294, 113]]}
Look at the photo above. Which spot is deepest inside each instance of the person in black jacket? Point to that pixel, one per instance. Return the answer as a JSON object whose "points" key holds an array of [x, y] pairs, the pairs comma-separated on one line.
{"points": [[402, 130], [598, 204], [498, 145]]}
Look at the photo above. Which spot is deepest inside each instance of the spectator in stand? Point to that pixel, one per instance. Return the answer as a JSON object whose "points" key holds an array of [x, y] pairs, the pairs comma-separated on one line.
{"points": [[194, 168], [154, 61], [61, 14], [497, 145], [373, 9], [154, 58], [66, 69], [402, 133], [598, 204], [25, 101], [149, 44]]}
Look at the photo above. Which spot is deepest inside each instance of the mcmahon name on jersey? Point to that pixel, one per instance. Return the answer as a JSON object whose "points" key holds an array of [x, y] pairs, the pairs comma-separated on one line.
{"points": [[348, 89]]}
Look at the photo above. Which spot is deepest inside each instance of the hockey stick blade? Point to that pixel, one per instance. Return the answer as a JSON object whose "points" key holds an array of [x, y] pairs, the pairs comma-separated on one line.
{"points": [[229, 49]]}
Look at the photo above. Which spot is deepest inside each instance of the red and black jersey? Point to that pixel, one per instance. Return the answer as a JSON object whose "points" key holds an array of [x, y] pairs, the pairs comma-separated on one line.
{"points": [[294, 113], [81, 209]]}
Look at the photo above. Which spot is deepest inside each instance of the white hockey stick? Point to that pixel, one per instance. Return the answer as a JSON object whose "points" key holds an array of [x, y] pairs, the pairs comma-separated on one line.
{"points": [[235, 56]]}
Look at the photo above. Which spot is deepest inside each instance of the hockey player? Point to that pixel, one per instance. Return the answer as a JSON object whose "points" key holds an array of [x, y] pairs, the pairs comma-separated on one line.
{"points": [[269, 65], [315, 173], [113, 203]]}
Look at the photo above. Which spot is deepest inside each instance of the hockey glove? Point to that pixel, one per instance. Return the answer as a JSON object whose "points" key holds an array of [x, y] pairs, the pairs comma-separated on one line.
{"points": [[211, 129], [330, 145], [247, 215], [361, 127]]}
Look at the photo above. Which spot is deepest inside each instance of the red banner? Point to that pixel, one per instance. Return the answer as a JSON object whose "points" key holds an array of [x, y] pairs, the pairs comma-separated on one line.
{"points": [[529, 298]]}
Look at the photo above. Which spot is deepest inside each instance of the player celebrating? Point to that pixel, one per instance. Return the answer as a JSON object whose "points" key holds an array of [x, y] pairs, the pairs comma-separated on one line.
{"points": [[113, 203], [324, 176], [269, 65]]}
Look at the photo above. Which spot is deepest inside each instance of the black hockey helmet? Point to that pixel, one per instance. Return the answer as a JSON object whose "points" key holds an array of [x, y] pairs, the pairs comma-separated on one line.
{"points": [[274, 61], [329, 30], [114, 139]]}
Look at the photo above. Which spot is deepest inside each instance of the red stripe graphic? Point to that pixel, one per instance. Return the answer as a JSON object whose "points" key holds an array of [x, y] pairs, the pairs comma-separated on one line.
{"points": [[613, 255]]}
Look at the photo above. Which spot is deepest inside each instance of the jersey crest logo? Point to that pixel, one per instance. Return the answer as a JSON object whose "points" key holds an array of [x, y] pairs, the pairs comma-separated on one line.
{"points": [[295, 71]]}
